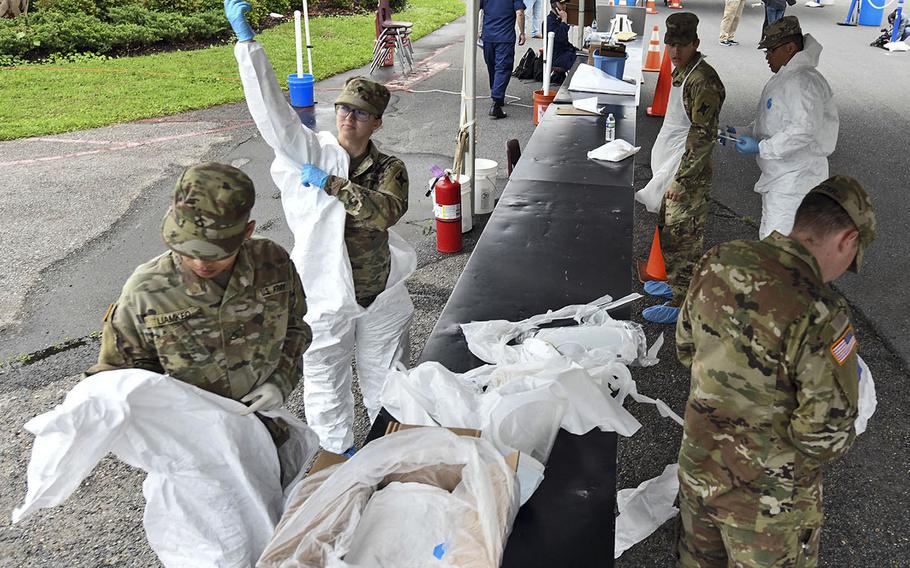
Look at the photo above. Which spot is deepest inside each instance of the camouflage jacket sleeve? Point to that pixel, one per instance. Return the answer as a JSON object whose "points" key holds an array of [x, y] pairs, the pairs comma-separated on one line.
{"points": [[375, 208], [122, 344], [685, 346], [827, 387], [703, 98], [299, 336]]}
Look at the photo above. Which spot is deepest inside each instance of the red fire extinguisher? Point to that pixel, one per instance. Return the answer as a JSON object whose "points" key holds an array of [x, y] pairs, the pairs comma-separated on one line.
{"points": [[447, 210]]}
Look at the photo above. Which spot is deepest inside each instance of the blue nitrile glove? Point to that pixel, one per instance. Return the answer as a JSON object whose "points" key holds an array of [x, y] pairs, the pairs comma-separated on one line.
{"points": [[235, 11], [349, 453], [729, 131], [747, 145], [661, 314], [311, 175]]}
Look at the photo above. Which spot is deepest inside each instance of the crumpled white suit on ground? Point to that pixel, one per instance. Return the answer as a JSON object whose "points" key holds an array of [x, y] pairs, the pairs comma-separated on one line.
{"points": [[213, 491], [317, 221], [797, 128]]}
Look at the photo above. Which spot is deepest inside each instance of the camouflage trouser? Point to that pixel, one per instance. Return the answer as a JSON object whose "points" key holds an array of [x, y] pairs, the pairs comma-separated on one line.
{"points": [[682, 237], [705, 543]]}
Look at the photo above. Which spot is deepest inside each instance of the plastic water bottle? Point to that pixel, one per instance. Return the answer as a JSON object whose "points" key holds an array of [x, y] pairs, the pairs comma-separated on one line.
{"points": [[610, 131]]}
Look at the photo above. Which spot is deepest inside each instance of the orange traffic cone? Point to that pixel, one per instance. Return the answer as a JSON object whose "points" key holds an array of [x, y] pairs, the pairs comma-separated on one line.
{"points": [[652, 61], [662, 92], [675, 4], [652, 7], [654, 268]]}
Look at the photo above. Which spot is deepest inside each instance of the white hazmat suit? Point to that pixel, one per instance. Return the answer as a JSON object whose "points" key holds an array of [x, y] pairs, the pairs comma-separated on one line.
{"points": [[796, 127], [317, 221]]}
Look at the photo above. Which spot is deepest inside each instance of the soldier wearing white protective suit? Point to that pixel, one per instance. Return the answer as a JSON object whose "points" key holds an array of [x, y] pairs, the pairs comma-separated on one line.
{"points": [[340, 196], [796, 127]]}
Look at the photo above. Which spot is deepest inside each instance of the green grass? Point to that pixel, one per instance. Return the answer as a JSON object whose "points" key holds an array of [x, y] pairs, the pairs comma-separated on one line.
{"points": [[52, 98]]}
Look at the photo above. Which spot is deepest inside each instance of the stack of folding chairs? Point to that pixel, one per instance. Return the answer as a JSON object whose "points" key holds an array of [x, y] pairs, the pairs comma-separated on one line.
{"points": [[392, 37]]}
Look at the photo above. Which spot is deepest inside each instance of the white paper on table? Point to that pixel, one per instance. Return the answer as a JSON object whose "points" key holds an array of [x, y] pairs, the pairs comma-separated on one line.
{"points": [[643, 509], [590, 79], [613, 151], [587, 104]]}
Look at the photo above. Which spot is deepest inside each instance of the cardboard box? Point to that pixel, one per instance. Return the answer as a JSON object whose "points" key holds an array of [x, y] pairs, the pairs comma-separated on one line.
{"points": [[326, 459]]}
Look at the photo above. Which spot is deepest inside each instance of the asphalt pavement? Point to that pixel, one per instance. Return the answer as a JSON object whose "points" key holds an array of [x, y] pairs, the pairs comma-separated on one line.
{"points": [[81, 210]]}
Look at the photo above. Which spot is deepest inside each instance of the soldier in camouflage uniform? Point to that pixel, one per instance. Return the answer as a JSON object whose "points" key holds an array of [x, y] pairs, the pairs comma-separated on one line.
{"points": [[774, 384], [220, 310], [375, 194], [684, 210]]}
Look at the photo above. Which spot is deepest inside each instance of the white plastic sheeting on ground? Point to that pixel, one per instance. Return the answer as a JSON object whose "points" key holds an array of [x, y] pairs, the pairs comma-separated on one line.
{"points": [[466, 527], [213, 491], [317, 221], [643, 509]]}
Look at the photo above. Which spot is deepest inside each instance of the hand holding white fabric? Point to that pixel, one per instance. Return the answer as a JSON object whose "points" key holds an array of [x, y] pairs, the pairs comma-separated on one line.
{"points": [[264, 397]]}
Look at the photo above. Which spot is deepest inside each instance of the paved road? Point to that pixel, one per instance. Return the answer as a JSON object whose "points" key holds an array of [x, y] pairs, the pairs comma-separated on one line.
{"points": [[81, 210]]}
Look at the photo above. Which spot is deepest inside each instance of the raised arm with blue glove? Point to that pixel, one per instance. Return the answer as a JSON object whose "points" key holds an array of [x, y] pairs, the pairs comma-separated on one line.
{"points": [[311, 175], [235, 11], [747, 145]]}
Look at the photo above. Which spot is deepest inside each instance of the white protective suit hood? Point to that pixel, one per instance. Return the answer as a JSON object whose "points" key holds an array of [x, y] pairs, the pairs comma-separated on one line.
{"points": [[797, 125]]}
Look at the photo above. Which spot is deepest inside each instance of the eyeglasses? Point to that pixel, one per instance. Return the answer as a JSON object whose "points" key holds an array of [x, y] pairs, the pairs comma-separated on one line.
{"points": [[359, 115]]}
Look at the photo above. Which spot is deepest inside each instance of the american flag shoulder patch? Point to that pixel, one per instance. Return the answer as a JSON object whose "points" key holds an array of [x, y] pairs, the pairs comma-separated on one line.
{"points": [[844, 346]]}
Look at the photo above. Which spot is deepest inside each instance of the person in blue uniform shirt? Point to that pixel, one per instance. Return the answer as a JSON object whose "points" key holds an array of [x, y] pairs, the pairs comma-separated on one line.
{"points": [[563, 50], [499, 21]]}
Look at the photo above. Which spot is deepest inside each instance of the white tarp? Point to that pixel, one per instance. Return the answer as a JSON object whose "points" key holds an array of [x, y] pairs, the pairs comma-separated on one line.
{"points": [[317, 221], [468, 525], [590, 79], [213, 491]]}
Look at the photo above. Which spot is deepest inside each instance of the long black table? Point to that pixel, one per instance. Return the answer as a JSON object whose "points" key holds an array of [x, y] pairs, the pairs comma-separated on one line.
{"points": [[561, 234]]}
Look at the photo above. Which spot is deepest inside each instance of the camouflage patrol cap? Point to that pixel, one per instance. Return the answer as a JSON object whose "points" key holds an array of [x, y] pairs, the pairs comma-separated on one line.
{"points": [[211, 208], [360, 92], [783, 30], [851, 196], [682, 28]]}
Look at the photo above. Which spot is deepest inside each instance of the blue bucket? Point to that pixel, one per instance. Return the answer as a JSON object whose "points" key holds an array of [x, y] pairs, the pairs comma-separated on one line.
{"points": [[301, 89], [611, 65]]}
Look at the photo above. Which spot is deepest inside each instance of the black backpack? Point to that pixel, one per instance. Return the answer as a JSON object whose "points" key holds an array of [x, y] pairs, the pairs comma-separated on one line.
{"points": [[527, 66]]}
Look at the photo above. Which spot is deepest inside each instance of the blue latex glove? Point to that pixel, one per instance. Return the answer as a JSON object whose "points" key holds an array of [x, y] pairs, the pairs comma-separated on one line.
{"points": [[350, 452], [311, 175], [729, 131], [661, 314], [747, 145], [235, 11]]}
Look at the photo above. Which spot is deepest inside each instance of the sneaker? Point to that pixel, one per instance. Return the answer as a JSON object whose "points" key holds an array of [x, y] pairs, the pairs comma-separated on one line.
{"points": [[725, 42], [496, 111], [732, 41]]}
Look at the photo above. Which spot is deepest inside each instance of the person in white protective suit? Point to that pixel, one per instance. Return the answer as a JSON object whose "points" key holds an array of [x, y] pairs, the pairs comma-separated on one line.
{"points": [[796, 128], [340, 197]]}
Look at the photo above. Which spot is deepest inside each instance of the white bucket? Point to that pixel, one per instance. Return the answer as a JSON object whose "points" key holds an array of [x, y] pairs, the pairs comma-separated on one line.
{"points": [[466, 218], [485, 188]]}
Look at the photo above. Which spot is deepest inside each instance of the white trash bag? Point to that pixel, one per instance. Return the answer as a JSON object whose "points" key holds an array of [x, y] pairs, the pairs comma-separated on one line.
{"points": [[416, 498], [213, 491]]}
